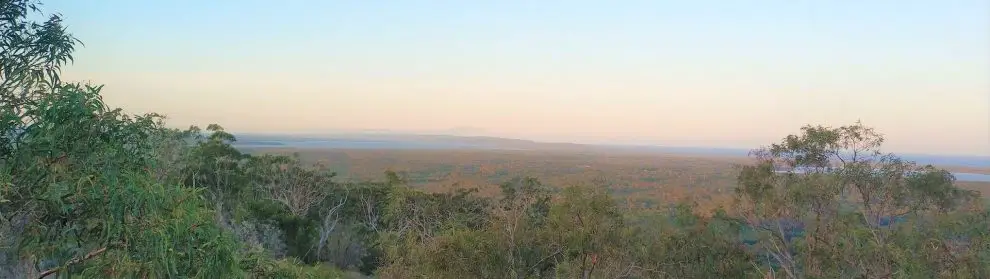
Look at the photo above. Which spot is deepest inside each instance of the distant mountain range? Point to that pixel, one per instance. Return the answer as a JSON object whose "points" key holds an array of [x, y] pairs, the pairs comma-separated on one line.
{"points": [[397, 140], [400, 141]]}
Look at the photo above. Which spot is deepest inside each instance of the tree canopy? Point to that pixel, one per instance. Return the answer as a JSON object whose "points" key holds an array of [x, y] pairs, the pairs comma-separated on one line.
{"points": [[89, 191]]}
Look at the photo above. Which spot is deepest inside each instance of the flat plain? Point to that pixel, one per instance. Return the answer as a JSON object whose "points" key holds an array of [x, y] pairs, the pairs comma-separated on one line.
{"points": [[639, 179]]}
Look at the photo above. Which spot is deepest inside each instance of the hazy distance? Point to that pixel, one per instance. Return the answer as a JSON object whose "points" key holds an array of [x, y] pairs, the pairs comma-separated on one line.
{"points": [[692, 73]]}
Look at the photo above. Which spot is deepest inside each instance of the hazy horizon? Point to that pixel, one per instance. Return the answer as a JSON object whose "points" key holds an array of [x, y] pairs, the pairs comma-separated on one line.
{"points": [[250, 138], [699, 73]]}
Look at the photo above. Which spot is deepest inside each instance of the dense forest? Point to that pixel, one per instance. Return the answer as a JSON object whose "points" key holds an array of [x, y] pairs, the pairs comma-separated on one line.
{"points": [[89, 191]]}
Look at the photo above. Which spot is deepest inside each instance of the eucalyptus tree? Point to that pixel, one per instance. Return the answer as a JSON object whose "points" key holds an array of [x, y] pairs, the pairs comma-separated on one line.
{"points": [[80, 194], [830, 203]]}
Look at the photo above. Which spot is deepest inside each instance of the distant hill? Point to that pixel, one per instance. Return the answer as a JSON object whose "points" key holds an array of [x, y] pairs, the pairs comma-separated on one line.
{"points": [[387, 140], [398, 141]]}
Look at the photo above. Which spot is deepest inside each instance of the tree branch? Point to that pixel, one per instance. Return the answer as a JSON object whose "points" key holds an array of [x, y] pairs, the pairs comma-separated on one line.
{"points": [[72, 262]]}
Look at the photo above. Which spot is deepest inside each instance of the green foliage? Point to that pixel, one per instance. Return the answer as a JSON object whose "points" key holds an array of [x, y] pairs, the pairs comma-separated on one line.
{"points": [[80, 179], [215, 165], [260, 266], [845, 209], [87, 190], [31, 53]]}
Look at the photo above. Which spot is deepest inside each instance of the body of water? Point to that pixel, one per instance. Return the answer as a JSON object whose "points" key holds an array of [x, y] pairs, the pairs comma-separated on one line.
{"points": [[972, 177]]}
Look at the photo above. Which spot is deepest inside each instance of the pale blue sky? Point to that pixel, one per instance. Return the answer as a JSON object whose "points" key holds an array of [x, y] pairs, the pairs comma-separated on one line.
{"points": [[697, 73]]}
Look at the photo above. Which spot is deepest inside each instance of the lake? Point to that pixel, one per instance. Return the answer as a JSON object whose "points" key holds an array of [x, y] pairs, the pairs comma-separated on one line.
{"points": [[972, 177]]}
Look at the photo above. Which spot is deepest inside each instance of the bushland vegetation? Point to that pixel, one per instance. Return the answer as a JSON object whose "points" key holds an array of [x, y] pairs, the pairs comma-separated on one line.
{"points": [[89, 191], [640, 180]]}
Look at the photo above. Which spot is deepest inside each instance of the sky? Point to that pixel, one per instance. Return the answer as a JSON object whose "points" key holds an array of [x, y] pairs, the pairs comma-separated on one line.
{"points": [[674, 73]]}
